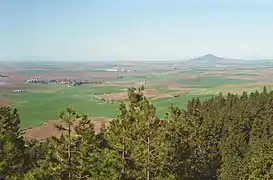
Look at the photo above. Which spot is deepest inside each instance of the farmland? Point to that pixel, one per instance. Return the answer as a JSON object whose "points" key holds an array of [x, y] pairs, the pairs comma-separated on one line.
{"points": [[164, 83]]}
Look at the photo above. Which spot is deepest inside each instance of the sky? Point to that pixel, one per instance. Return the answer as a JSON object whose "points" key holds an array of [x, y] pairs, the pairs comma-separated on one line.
{"points": [[103, 30]]}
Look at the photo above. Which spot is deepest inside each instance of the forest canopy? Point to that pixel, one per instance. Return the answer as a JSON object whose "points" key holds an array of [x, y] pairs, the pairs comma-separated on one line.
{"points": [[224, 137]]}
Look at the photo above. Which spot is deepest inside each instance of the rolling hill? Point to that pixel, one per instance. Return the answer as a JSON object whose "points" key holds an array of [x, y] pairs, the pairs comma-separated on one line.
{"points": [[210, 60]]}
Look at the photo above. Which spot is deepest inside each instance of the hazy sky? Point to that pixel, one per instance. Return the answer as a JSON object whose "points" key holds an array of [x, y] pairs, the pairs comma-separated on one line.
{"points": [[134, 29]]}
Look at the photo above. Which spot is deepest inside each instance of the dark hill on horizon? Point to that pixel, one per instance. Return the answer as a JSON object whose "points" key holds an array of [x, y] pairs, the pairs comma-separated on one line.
{"points": [[208, 57], [210, 60]]}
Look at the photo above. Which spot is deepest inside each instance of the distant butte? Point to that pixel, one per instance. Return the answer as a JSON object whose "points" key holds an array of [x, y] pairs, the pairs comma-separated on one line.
{"points": [[208, 57]]}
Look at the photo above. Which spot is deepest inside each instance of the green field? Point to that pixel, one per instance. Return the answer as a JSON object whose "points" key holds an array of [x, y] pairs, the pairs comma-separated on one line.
{"points": [[244, 74], [148, 78], [44, 102], [40, 103], [209, 82]]}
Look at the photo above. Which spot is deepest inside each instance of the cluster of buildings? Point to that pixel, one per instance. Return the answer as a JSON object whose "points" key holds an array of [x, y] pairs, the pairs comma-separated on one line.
{"points": [[4, 76], [61, 81], [120, 70], [18, 90]]}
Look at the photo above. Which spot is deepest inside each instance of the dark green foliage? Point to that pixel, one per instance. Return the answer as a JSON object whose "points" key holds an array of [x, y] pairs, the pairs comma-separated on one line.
{"points": [[12, 148], [76, 155], [224, 137], [138, 136]]}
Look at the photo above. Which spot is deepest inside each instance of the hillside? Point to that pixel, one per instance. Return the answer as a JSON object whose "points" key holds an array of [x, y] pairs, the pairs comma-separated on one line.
{"points": [[219, 138], [210, 60]]}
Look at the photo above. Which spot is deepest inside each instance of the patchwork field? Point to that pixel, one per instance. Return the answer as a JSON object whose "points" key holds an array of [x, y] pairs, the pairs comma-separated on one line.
{"points": [[164, 84]]}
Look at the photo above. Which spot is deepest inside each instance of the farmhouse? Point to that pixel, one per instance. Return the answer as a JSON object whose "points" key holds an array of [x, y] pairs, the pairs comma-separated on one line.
{"points": [[143, 82], [4, 76], [18, 90], [122, 70], [112, 70]]}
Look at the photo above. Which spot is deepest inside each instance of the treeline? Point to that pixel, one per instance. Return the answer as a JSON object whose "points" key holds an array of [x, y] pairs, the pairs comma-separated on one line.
{"points": [[224, 137]]}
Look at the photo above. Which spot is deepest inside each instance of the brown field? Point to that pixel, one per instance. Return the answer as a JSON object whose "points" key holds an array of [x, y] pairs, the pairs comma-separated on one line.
{"points": [[181, 87], [49, 128], [118, 83], [262, 75], [149, 93], [4, 102]]}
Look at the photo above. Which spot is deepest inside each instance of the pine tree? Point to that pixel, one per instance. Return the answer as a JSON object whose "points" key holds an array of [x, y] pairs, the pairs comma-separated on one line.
{"points": [[12, 147], [151, 147], [178, 150], [120, 138], [139, 136], [92, 160], [259, 161], [59, 160], [193, 152]]}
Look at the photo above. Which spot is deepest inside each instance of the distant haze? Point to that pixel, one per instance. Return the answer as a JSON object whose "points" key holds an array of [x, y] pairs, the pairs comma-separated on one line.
{"points": [[103, 30]]}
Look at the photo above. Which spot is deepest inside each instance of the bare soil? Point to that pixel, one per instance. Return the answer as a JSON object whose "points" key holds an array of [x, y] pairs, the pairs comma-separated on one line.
{"points": [[149, 93], [4, 102], [119, 83], [181, 87], [49, 128]]}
